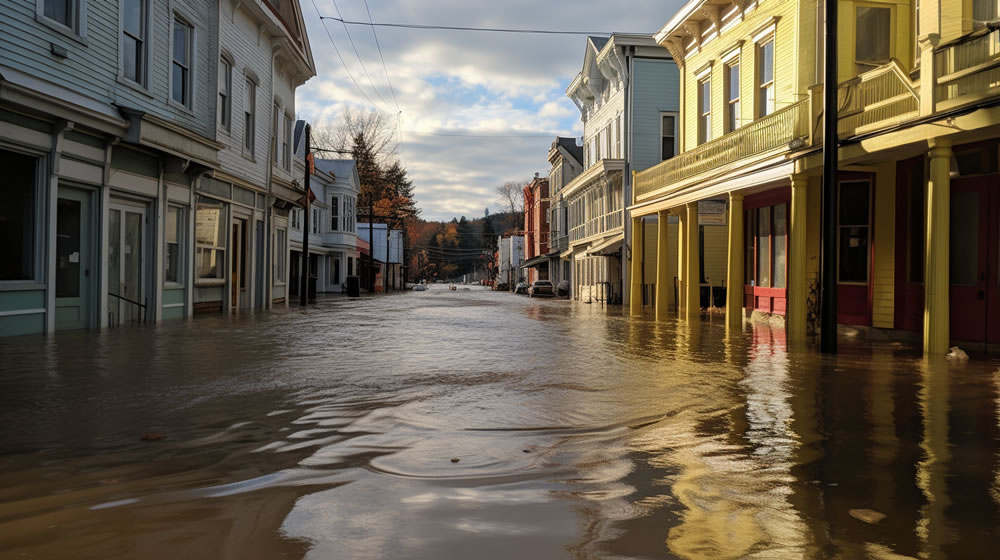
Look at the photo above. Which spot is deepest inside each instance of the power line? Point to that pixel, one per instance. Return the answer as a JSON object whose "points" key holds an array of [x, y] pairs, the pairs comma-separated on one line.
{"points": [[358, 54], [379, 47], [483, 135], [482, 29], [337, 50]]}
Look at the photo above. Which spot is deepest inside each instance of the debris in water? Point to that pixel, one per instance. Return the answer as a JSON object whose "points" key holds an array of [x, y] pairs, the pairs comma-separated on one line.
{"points": [[526, 450], [454, 459], [152, 437], [957, 354], [869, 516]]}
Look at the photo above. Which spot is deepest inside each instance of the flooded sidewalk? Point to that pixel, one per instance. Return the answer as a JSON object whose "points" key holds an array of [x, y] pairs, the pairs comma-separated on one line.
{"points": [[474, 424]]}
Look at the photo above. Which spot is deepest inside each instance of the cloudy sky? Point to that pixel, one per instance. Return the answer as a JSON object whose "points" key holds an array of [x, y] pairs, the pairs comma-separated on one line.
{"points": [[478, 109]]}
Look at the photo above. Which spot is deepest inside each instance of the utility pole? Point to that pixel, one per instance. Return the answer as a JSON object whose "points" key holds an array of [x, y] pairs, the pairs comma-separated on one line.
{"points": [[831, 142], [304, 281]]}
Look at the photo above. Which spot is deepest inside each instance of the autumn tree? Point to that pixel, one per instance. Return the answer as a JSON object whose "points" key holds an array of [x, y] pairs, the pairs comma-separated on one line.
{"points": [[511, 199]]}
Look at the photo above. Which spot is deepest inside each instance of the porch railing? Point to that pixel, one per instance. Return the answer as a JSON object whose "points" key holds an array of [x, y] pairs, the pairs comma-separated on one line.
{"points": [[597, 225], [969, 66], [881, 97], [763, 135]]}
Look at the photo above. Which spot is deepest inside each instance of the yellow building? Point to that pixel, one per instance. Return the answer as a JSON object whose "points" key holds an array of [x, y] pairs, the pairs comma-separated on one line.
{"points": [[918, 211]]}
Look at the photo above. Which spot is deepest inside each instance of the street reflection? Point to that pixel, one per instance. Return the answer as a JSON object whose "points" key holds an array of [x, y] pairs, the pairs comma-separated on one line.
{"points": [[477, 424]]}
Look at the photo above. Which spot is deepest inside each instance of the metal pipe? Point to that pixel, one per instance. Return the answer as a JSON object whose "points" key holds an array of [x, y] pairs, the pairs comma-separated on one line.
{"points": [[828, 335]]}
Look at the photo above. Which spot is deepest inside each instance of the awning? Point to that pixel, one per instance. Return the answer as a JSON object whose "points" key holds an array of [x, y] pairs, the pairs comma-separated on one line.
{"points": [[607, 247], [535, 261]]}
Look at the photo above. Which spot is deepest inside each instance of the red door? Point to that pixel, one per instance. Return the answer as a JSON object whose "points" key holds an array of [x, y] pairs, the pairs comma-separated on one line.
{"points": [[972, 251]]}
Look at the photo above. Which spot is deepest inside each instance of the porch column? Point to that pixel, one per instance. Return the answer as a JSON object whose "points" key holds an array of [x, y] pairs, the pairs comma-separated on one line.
{"points": [[693, 271], [797, 293], [663, 280], [936, 262], [734, 276], [682, 274], [635, 295]]}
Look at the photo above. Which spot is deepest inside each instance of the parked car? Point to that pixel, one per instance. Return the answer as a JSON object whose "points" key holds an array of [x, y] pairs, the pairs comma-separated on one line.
{"points": [[541, 288], [521, 288]]}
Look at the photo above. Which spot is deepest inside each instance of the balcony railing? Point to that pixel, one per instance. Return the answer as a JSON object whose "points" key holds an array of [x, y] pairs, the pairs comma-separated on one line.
{"points": [[969, 66], [597, 225], [763, 135], [878, 98]]}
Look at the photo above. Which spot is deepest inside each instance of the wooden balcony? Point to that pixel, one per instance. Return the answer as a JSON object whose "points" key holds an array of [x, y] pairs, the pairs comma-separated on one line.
{"points": [[967, 70], [762, 138], [879, 98], [597, 225]]}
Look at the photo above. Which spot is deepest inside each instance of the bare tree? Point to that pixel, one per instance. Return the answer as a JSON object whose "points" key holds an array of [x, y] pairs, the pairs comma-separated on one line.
{"points": [[376, 127], [511, 199]]}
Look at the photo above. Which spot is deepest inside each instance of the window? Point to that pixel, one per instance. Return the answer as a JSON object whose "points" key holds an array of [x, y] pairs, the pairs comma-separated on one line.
{"points": [[280, 255], [276, 134], [225, 87], [872, 37], [211, 219], [315, 220], [618, 137], [853, 219], [249, 117], [608, 143], [335, 213], [765, 78], [68, 13], [767, 246], [134, 40], [704, 111], [180, 76], [668, 135], [172, 254], [17, 216], [286, 152], [732, 96]]}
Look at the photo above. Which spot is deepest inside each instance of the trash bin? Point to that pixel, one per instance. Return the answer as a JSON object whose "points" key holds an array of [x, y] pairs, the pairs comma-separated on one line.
{"points": [[353, 286]]}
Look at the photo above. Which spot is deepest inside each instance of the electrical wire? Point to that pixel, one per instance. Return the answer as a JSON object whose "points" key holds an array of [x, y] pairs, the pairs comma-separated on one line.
{"points": [[379, 47], [481, 29], [484, 135], [341, 57], [358, 54]]}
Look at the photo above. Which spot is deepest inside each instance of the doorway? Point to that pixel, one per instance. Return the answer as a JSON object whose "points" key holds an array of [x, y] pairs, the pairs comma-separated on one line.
{"points": [[74, 259], [974, 269], [239, 277], [127, 298]]}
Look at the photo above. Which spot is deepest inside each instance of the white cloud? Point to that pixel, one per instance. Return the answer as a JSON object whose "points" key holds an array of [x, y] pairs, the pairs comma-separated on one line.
{"points": [[453, 82]]}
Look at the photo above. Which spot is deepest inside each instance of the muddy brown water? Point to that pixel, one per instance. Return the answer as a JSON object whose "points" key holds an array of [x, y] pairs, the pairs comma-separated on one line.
{"points": [[579, 433]]}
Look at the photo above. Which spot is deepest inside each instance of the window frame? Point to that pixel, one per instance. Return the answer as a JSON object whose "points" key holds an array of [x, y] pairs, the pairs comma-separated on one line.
{"points": [[335, 213], [762, 88], [280, 257], [249, 142], [676, 117], [704, 117], [77, 31], [734, 106], [39, 226], [188, 102], [286, 145], [870, 65], [276, 132], [225, 219], [225, 110], [179, 243], [142, 61]]}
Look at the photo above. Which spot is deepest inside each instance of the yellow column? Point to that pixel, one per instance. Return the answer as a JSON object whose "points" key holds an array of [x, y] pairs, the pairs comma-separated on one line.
{"points": [[692, 270], [734, 277], [936, 279], [663, 281], [635, 296], [797, 292], [681, 260]]}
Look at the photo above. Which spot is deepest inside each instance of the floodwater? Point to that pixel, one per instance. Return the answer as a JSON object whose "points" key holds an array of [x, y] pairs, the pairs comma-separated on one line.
{"points": [[481, 425]]}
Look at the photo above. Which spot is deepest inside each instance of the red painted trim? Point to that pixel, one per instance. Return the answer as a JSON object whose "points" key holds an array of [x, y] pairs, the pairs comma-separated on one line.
{"points": [[768, 198]]}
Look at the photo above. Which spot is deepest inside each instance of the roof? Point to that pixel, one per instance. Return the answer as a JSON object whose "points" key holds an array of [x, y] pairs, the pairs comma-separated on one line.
{"points": [[598, 42], [337, 167], [569, 144]]}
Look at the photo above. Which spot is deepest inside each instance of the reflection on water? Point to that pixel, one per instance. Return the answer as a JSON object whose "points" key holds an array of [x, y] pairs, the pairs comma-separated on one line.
{"points": [[479, 425]]}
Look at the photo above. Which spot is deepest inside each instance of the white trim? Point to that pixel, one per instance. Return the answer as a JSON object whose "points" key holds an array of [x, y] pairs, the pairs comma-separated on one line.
{"points": [[767, 28], [176, 14], [77, 32], [733, 52], [143, 84], [704, 71], [16, 312]]}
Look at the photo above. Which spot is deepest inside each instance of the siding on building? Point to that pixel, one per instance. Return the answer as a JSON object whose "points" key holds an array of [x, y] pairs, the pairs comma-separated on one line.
{"points": [[655, 90]]}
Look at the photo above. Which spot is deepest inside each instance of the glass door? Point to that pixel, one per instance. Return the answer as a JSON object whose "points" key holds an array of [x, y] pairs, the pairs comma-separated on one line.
{"points": [[127, 298], [969, 256], [74, 260]]}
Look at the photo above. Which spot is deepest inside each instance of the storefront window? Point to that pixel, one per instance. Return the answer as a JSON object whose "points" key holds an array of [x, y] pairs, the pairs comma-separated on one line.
{"points": [[210, 237], [853, 216], [172, 256], [764, 247], [17, 217], [780, 247]]}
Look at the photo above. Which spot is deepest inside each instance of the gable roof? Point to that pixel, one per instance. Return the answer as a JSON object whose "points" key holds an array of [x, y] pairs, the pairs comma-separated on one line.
{"points": [[342, 168], [569, 144]]}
